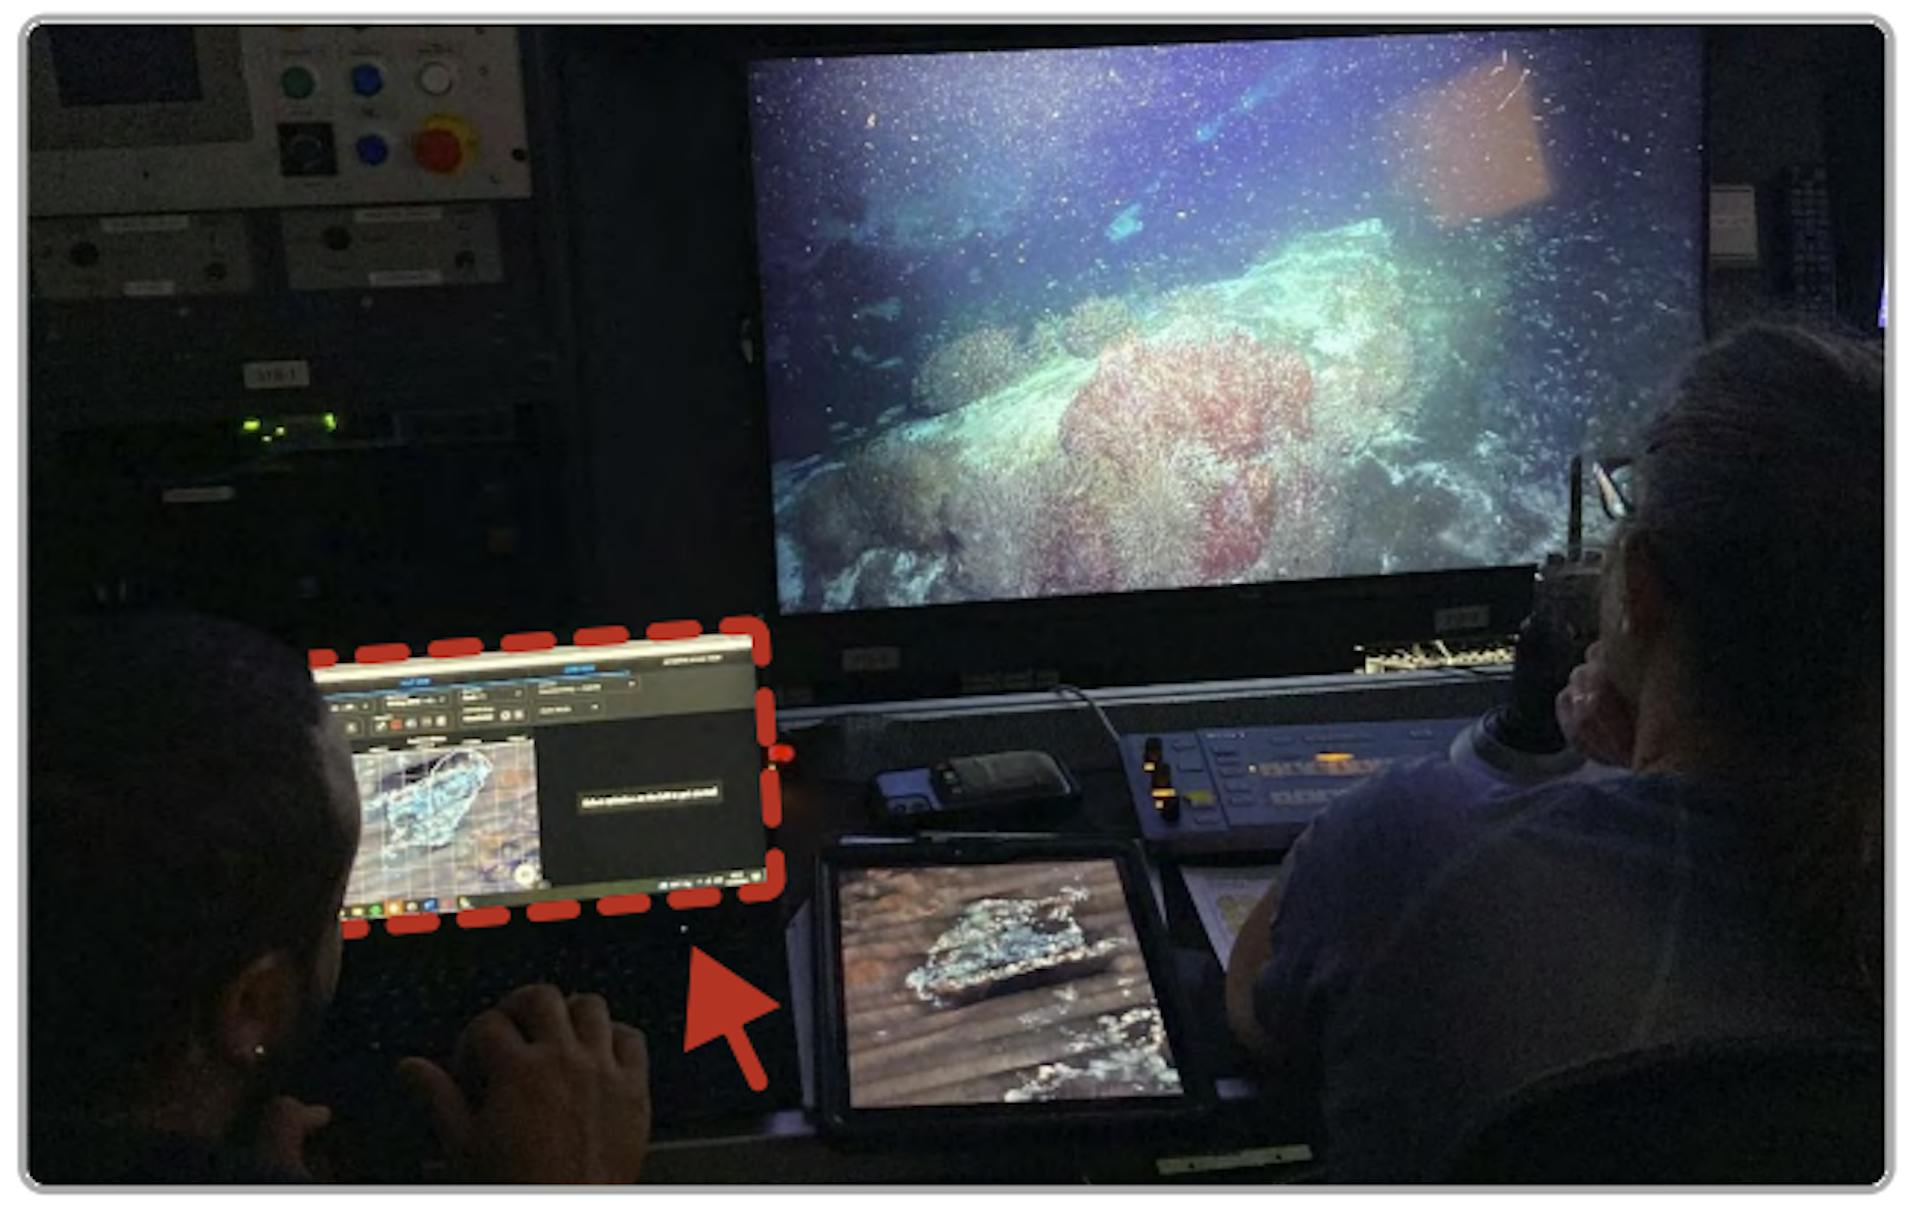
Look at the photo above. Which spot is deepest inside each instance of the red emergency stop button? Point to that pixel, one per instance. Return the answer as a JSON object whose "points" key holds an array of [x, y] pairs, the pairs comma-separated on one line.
{"points": [[438, 150]]}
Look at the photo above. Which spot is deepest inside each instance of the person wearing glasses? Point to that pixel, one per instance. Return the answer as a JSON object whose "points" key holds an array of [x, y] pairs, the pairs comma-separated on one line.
{"points": [[1433, 945]]}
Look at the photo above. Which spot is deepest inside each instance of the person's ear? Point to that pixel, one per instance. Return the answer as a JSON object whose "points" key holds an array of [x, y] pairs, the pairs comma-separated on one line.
{"points": [[257, 1009]]}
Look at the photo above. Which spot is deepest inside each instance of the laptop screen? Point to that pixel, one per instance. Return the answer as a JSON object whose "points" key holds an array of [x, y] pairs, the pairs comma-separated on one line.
{"points": [[575, 772]]}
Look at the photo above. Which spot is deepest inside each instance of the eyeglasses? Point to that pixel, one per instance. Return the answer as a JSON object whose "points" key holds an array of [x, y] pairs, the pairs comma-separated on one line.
{"points": [[1613, 475]]}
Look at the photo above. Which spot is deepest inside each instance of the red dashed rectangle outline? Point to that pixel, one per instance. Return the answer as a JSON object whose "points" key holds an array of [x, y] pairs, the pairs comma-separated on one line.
{"points": [[624, 904], [483, 917], [765, 731]]}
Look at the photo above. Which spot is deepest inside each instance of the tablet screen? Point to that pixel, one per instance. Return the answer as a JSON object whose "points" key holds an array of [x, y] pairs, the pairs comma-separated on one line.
{"points": [[988, 984]]}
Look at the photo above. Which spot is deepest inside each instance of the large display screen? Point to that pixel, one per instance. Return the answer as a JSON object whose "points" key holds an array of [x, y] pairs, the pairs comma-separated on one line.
{"points": [[1056, 322]]}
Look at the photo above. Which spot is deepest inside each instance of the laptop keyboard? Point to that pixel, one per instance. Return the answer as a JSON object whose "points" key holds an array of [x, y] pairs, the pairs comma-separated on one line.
{"points": [[634, 979], [386, 1012]]}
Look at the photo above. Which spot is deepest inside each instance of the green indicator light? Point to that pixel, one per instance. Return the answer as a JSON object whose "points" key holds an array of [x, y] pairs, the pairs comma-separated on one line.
{"points": [[279, 430], [251, 425], [329, 421]]}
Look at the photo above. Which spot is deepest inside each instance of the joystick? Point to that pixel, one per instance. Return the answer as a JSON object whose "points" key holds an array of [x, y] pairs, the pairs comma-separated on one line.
{"points": [[1520, 741]]}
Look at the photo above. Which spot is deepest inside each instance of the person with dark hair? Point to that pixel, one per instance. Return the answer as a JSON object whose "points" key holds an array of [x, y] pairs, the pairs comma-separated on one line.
{"points": [[1434, 946], [192, 815]]}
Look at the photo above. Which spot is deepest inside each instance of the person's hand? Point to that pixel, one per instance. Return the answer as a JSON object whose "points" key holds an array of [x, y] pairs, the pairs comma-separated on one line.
{"points": [[559, 1093], [284, 1128], [1593, 715]]}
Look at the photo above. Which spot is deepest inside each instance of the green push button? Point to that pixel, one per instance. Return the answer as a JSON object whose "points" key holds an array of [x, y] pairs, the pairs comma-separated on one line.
{"points": [[297, 83]]}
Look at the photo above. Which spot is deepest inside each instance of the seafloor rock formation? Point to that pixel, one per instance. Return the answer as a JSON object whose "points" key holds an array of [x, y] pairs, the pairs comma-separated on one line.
{"points": [[971, 366], [425, 805], [1002, 945], [1094, 324], [1340, 297], [1122, 1054], [1230, 394], [1213, 440], [1174, 444]]}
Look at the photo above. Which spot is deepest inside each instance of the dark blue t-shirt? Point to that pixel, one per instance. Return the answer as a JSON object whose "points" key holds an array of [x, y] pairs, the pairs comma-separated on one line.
{"points": [[1441, 941]]}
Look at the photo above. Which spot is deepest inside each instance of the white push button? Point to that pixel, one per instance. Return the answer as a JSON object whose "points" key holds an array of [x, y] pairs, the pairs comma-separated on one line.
{"points": [[436, 79]]}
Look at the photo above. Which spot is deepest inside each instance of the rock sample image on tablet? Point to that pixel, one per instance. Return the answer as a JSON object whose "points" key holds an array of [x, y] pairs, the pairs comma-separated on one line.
{"points": [[988, 984]]}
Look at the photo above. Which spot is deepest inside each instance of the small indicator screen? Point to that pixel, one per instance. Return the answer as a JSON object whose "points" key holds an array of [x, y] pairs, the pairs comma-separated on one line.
{"points": [[124, 64]]}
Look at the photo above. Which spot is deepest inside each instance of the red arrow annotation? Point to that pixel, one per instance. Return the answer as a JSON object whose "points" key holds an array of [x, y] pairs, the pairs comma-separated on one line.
{"points": [[719, 1005]]}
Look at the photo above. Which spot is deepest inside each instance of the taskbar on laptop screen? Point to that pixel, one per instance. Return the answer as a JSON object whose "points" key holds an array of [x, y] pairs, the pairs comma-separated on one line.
{"points": [[520, 898]]}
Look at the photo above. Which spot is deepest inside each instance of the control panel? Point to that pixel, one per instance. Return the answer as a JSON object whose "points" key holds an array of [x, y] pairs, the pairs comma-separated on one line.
{"points": [[1255, 788], [363, 247], [130, 256], [156, 118], [1815, 273]]}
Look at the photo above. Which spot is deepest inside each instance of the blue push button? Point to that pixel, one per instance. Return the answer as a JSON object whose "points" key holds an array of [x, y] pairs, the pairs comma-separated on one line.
{"points": [[367, 79], [371, 149]]}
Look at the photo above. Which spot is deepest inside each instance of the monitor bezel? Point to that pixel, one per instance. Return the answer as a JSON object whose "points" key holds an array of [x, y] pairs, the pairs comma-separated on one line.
{"points": [[1305, 627]]}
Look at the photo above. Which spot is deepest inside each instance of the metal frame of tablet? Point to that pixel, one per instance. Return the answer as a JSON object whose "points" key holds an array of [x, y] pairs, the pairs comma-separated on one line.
{"points": [[836, 1110]]}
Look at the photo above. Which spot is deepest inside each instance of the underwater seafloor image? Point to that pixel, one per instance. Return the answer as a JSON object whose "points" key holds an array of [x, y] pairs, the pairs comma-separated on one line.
{"points": [[1105, 319], [441, 822]]}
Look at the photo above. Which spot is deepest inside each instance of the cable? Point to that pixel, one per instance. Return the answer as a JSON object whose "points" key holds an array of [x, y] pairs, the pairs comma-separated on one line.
{"points": [[1107, 723]]}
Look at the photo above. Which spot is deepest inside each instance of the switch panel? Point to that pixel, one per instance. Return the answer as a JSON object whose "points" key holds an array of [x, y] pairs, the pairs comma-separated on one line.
{"points": [[122, 256], [276, 116], [385, 247]]}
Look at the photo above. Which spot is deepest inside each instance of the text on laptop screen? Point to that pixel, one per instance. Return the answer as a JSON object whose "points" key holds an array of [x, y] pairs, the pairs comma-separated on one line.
{"points": [[1057, 322], [574, 772]]}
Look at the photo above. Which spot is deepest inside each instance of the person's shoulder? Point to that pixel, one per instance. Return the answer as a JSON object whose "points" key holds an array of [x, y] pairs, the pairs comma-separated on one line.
{"points": [[1431, 778], [1399, 822], [1612, 802], [1426, 791], [1432, 805]]}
